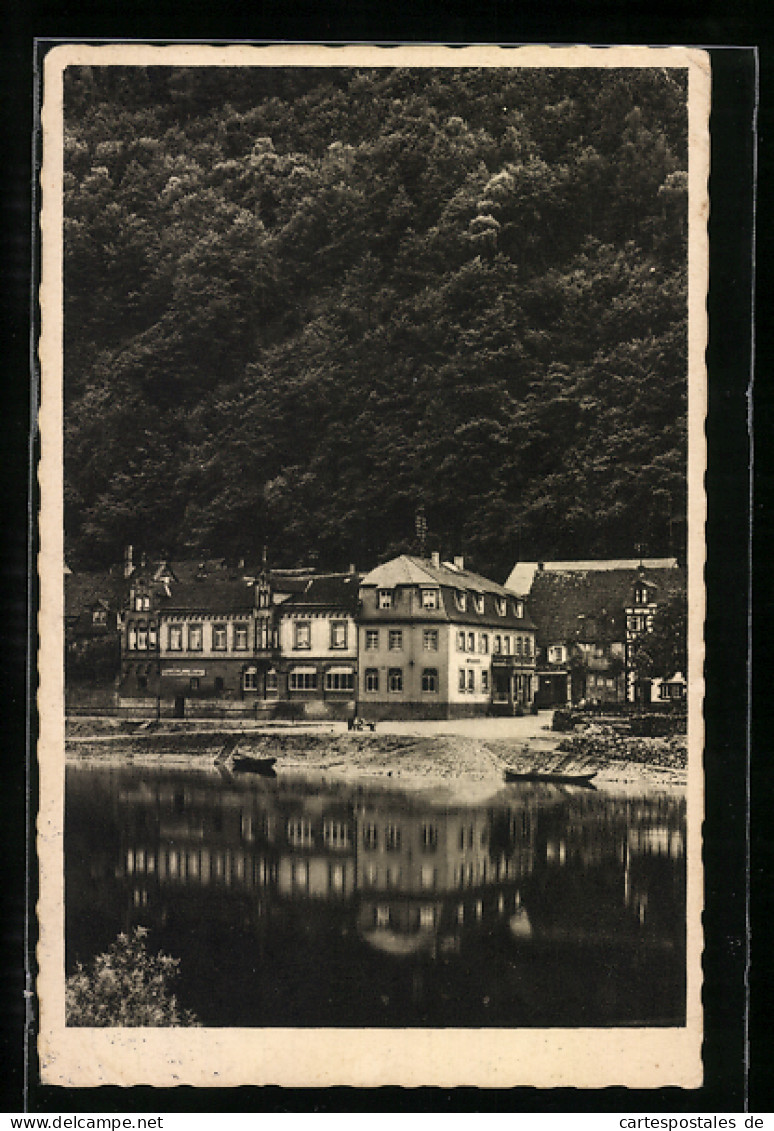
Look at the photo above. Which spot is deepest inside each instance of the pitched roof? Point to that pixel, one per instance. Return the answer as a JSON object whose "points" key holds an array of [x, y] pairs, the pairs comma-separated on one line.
{"points": [[84, 590], [407, 570], [209, 596], [326, 590], [520, 578], [588, 605]]}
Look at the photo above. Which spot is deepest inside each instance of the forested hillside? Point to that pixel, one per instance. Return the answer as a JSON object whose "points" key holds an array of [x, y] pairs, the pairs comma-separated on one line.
{"points": [[302, 302]]}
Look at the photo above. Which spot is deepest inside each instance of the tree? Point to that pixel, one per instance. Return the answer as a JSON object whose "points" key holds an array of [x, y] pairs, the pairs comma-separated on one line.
{"points": [[125, 986], [662, 652]]}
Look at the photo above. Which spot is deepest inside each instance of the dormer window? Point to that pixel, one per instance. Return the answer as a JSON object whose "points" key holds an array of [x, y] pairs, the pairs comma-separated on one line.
{"points": [[641, 596], [478, 601], [99, 617], [460, 600], [429, 598], [518, 608], [385, 599], [501, 606]]}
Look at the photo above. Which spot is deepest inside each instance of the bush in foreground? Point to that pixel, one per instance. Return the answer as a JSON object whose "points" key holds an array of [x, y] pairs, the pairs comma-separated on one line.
{"points": [[126, 986]]}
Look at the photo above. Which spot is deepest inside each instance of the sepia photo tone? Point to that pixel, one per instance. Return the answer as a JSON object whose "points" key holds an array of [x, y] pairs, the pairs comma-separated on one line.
{"points": [[371, 565]]}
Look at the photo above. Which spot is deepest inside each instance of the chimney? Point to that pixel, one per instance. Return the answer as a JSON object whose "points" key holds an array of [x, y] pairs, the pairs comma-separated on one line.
{"points": [[435, 558], [128, 563], [459, 562], [541, 566], [352, 567]]}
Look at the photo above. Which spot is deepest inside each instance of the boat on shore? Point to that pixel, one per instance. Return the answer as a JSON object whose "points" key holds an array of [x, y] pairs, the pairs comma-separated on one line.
{"points": [[555, 777]]}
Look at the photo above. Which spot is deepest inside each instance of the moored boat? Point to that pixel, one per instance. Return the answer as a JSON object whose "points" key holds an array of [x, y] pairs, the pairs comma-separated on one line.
{"points": [[557, 777], [245, 764]]}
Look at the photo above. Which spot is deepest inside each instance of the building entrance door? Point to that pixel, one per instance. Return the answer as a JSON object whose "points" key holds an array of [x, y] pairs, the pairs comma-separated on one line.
{"points": [[180, 706]]}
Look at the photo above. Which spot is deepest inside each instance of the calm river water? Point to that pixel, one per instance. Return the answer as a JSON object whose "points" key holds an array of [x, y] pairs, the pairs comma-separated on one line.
{"points": [[295, 902]]}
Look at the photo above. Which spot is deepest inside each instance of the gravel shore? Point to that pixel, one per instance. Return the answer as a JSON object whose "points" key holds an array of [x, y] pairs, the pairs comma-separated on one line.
{"points": [[480, 753]]}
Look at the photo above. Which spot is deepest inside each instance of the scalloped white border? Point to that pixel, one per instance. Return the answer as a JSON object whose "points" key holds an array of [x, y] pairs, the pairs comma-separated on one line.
{"points": [[367, 1057]]}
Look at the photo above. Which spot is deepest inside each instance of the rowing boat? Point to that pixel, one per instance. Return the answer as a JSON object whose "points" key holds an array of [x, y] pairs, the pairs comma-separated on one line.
{"points": [[556, 777]]}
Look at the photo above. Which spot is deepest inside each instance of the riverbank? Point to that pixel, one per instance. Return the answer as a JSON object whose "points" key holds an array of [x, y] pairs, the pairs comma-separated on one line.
{"points": [[413, 753]]}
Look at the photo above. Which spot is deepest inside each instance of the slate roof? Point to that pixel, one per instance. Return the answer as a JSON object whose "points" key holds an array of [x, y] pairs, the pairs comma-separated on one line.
{"points": [[84, 590], [407, 572], [209, 596], [334, 590], [522, 575], [587, 606]]}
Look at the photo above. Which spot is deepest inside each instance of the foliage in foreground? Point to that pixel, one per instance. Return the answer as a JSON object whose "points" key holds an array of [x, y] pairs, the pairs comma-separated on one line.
{"points": [[126, 986]]}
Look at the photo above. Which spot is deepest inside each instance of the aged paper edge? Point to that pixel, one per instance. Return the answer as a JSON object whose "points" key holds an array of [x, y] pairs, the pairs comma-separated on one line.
{"points": [[635, 1058]]}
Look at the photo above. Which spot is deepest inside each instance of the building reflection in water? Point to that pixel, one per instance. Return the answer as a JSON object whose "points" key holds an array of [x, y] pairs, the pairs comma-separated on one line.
{"points": [[296, 902]]}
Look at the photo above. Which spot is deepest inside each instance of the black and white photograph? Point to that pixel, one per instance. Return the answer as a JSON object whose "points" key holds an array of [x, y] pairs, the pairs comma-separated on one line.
{"points": [[372, 407]]}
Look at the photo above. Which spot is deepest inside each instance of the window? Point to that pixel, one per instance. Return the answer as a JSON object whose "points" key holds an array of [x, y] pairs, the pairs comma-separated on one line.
{"points": [[555, 654], [471, 679], [527, 645], [138, 604], [272, 682], [428, 877], [195, 638], [339, 679], [429, 837], [142, 637], [478, 601], [218, 684], [302, 679], [302, 634], [382, 916], [152, 636], [99, 617], [500, 604], [519, 643], [471, 641], [395, 679], [483, 643], [385, 598], [372, 875], [460, 641], [370, 837], [430, 680], [507, 645], [176, 638], [194, 683], [430, 640], [338, 634], [518, 608], [460, 600], [462, 680], [371, 679], [429, 598], [240, 637], [636, 624], [396, 639], [497, 645], [300, 833], [485, 681], [336, 834], [427, 917], [250, 679], [641, 595], [219, 638], [392, 838], [372, 639], [142, 682]]}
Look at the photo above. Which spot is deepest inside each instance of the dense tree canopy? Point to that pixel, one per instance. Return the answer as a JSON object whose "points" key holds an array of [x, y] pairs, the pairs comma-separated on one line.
{"points": [[301, 302]]}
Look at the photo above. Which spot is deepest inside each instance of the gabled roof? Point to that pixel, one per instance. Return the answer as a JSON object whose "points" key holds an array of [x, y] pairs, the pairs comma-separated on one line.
{"points": [[523, 573], [85, 590], [587, 606], [333, 590]]}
